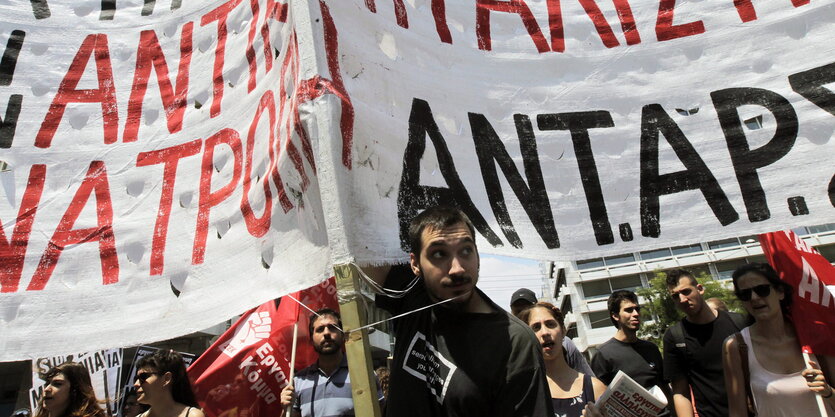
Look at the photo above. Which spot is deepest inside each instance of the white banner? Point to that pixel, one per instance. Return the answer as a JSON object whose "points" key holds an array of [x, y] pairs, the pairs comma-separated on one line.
{"points": [[172, 164], [160, 179]]}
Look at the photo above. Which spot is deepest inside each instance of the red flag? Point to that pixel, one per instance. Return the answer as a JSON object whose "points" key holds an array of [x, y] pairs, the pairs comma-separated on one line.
{"points": [[813, 280], [243, 372]]}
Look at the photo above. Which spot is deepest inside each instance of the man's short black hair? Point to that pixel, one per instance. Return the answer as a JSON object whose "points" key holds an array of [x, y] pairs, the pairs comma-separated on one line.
{"points": [[436, 217], [675, 275], [616, 299], [324, 312]]}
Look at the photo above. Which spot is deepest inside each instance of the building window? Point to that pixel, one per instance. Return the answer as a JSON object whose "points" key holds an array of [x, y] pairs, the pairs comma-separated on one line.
{"points": [[597, 288], [724, 243], [572, 331], [655, 254], [618, 260], [828, 252], [599, 319], [683, 250], [823, 228], [628, 282], [590, 263], [726, 268]]}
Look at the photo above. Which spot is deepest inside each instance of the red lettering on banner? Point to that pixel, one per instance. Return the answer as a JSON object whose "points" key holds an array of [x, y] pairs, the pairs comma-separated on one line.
{"points": [[439, 14], [664, 28], [209, 198], [746, 10], [149, 54], [627, 22], [94, 181], [483, 9], [293, 118], [269, 13], [600, 23], [219, 14], [67, 93], [798, 3], [259, 226], [170, 157], [555, 26], [13, 251], [399, 11]]}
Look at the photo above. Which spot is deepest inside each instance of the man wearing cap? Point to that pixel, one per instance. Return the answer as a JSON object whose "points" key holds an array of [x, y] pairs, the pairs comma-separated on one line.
{"points": [[524, 298]]}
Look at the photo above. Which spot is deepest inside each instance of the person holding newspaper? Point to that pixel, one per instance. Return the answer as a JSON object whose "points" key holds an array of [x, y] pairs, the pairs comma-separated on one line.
{"points": [[765, 373], [572, 392]]}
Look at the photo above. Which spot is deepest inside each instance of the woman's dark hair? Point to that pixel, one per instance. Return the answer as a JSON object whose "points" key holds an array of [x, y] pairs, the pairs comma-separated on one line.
{"points": [[82, 401], [169, 361], [766, 271]]}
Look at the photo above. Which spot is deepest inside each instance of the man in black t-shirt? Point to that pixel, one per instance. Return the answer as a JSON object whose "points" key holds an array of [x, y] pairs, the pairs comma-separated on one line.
{"points": [[639, 359], [693, 349], [463, 355]]}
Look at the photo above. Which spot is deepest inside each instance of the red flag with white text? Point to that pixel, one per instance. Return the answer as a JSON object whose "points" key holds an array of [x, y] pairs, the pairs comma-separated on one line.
{"points": [[813, 280], [243, 372]]}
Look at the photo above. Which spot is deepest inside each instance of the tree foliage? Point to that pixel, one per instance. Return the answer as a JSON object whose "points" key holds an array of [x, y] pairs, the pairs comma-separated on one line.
{"points": [[659, 307]]}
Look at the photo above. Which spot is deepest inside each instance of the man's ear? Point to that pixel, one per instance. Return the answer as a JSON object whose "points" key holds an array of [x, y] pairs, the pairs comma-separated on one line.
{"points": [[414, 263], [700, 288]]}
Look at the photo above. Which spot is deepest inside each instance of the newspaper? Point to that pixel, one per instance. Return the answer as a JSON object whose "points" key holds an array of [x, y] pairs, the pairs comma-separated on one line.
{"points": [[627, 398]]}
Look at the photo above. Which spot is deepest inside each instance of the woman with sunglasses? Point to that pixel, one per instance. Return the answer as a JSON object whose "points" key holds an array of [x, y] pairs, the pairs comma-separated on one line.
{"points": [[571, 392], [780, 382], [161, 382], [69, 393]]}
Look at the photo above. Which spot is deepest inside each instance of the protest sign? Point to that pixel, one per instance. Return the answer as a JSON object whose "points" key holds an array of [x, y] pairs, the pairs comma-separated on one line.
{"points": [[244, 371], [105, 369], [812, 279], [180, 163]]}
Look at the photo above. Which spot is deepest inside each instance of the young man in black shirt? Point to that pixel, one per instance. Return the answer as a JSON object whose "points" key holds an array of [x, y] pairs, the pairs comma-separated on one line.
{"points": [[693, 349], [466, 356], [639, 359]]}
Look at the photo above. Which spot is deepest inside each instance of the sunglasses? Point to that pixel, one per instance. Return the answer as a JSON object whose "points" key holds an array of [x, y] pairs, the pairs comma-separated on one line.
{"points": [[762, 291], [143, 377]]}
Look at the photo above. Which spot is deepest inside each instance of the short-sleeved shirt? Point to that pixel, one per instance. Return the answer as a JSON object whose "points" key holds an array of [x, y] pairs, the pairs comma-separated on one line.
{"points": [[701, 362], [323, 395], [640, 360], [449, 363]]}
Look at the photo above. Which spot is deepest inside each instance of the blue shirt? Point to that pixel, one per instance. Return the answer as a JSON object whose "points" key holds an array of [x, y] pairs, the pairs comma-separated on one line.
{"points": [[320, 395]]}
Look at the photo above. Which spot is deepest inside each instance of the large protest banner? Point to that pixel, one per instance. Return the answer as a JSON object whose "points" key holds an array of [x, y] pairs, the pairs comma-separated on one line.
{"points": [[566, 129]]}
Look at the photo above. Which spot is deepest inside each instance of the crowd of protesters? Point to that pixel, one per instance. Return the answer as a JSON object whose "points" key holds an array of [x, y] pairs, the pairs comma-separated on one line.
{"points": [[457, 353]]}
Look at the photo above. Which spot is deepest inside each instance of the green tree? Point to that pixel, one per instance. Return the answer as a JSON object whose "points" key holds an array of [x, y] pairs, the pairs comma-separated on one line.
{"points": [[659, 307]]}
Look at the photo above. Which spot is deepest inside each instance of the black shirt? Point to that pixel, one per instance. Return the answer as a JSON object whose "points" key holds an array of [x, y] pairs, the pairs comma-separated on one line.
{"points": [[701, 362]]}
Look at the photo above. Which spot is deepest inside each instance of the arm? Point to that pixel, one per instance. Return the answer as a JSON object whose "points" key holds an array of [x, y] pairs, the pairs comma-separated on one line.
{"points": [[196, 412], [734, 379], [817, 382], [599, 388], [288, 397], [681, 397]]}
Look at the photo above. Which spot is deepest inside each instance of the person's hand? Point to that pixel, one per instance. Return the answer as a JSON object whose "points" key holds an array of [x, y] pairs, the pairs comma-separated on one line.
{"points": [[816, 381], [287, 396], [591, 411]]}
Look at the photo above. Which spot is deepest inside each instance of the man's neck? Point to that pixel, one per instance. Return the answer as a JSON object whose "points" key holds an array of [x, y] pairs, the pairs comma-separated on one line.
{"points": [[706, 315], [329, 363], [626, 335]]}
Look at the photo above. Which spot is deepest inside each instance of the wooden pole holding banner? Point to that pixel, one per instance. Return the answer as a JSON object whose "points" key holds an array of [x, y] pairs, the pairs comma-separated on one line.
{"points": [[293, 360], [357, 347]]}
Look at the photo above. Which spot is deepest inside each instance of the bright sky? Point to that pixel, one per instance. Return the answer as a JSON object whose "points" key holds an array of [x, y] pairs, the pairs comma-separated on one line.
{"points": [[501, 276]]}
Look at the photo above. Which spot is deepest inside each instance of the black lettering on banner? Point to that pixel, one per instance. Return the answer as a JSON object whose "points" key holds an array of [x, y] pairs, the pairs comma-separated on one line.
{"points": [[9, 60], [532, 196], [413, 197], [745, 160], [809, 84], [579, 124], [108, 10], [40, 8], [8, 124], [696, 175], [148, 7]]}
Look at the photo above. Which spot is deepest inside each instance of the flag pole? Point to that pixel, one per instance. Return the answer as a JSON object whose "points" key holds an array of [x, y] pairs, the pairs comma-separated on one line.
{"points": [[818, 398], [293, 360]]}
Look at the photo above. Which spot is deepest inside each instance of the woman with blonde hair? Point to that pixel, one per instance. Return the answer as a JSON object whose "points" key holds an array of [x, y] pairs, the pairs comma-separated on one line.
{"points": [[69, 393], [572, 393]]}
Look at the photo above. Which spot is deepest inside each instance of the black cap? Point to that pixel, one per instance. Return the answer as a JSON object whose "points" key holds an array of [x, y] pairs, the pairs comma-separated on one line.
{"points": [[523, 294]]}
